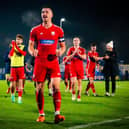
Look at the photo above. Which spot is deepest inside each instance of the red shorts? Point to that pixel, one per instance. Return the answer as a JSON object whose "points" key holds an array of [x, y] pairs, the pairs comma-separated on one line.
{"points": [[42, 66], [77, 72], [90, 73], [67, 73], [17, 73]]}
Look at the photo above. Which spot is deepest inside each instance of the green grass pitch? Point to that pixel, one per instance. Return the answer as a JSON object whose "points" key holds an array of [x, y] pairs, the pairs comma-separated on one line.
{"points": [[91, 109]]}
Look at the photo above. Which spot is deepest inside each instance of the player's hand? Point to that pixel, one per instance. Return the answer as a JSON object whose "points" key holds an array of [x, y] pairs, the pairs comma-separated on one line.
{"points": [[35, 53], [100, 58], [9, 56], [58, 53], [76, 49], [97, 58], [101, 68], [106, 57]]}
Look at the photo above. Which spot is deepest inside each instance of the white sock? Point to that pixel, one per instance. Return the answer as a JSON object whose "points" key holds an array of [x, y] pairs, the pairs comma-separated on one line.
{"points": [[57, 113], [50, 90], [20, 98], [12, 94], [42, 114]]}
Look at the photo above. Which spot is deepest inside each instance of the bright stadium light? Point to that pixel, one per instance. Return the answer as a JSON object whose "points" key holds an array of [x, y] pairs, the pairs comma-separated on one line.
{"points": [[61, 21]]}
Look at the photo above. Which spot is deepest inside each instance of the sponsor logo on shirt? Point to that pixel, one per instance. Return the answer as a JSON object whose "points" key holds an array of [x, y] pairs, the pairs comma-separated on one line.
{"points": [[41, 33], [47, 42], [53, 33]]}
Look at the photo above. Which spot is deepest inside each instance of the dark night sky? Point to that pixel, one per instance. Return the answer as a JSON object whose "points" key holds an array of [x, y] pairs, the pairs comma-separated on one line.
{"points": [[93, 20]]}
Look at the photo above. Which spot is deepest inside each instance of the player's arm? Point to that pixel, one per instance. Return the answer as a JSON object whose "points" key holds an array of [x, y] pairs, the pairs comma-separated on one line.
{"points": [[98, 58], [31, 49], [61, 50], [11, 51], [20, 50], [65, 60], [31, 46], [70, 55], [95, 58], [82, 56]]}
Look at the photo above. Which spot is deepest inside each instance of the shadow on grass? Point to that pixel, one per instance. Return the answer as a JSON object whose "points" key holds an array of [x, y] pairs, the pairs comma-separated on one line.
{"points": [[50, 122]]}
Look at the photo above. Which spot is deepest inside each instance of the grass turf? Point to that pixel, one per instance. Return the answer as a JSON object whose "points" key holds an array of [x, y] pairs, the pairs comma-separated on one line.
{"points": [[90, 109]]}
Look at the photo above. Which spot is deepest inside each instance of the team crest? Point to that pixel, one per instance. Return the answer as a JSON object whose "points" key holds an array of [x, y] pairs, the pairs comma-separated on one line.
{"points": [[41, 33], [53, 33]]}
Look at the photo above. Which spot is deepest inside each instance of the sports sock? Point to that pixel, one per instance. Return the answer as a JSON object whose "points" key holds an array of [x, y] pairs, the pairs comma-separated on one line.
{"points": [[73, 92], [92, 87], [20, 91], [12, 90], [23, 85], [78, 94], [57, 100], [70, 85], [66, 84], [88, 87], [17, 88], [40, 101]]}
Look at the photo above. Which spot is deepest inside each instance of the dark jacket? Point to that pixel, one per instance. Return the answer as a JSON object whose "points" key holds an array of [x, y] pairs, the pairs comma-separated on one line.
{"points": [[110, 65]]}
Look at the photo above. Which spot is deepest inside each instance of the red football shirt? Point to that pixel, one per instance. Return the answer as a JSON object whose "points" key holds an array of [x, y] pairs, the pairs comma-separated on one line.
{"points": [[91, 63], [46, 39], [76, 60]]}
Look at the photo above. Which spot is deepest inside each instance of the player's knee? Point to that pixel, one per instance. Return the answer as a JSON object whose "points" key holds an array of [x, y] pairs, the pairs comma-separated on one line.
{"points": [[91, 80], [79, 82], [74, 84], [38, 86], [79, 85]]}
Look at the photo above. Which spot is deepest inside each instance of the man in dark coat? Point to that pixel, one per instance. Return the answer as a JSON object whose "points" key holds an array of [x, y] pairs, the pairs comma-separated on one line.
{"points": [[110, 69]]}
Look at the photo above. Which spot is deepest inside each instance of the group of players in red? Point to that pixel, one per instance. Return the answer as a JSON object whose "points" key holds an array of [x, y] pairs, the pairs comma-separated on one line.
{"points": [[74, 70], [43, 43]]}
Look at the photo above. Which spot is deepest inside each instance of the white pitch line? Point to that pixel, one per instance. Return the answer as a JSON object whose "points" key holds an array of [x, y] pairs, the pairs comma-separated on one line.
{"points": [[97, 123], [127, 117]]}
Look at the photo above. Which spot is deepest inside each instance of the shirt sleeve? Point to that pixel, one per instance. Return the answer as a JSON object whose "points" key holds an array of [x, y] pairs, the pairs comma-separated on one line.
{"points": [[89, 54], [61, 35], [83, 51], [32, 35]]}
